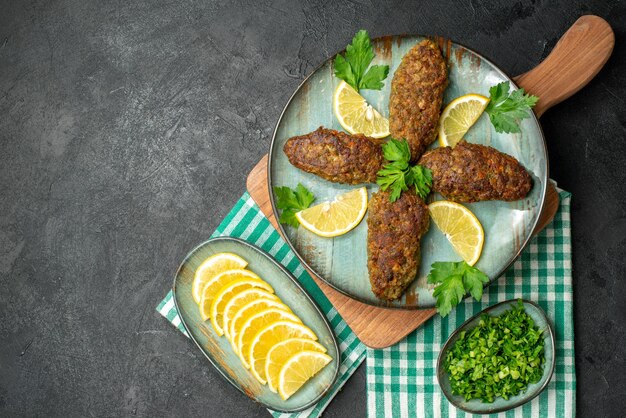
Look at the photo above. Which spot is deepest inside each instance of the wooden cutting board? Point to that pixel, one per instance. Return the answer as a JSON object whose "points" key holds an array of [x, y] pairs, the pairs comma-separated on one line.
{"points": [[576, 59]]}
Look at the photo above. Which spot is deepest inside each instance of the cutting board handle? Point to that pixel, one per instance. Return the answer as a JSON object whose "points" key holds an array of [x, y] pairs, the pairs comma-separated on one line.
{"points": [[578, 56]]}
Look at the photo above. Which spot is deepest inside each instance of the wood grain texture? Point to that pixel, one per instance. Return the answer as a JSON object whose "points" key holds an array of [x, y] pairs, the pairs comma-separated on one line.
{"points": [[576, 59], [578, 56], [550, 206]]}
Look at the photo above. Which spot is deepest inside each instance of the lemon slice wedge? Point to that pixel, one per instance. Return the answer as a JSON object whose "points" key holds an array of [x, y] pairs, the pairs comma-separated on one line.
{"points": [[254, 324], [216, 283], [281, 352], [213, 266], [458, 116], [227, 293], [269, 336], [331, 219], [356, 115], [246, 312], [461, 227], [298, 370], [240, 300]]}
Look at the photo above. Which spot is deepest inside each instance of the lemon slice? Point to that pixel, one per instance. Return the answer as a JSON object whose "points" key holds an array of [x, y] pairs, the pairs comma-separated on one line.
{"points": [[254, 324], [213, 266], [298, 369], [216, 283], [281, 352], [331, 219], [226, 293], [240, 300], [268, 337], [248, 311], [460, 114], [356, 115], [461, 228]]}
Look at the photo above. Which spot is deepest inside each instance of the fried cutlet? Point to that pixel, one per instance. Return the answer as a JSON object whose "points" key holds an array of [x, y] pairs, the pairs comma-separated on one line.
{"points": [[473, 173], [336, 156], [394, 232], [416, 96], [465, 173]]}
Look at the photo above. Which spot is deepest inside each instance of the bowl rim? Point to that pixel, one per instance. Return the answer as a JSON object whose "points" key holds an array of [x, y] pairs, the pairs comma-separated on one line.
{"points": [[306, 294], [440, 371], [383, 304]]}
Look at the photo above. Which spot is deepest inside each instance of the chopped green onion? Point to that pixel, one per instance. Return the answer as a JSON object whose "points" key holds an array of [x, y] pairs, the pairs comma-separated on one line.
{"points": [[501, 356]]}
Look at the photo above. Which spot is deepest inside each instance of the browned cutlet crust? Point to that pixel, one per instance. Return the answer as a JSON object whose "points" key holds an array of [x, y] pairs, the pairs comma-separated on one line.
{"points": [[473, 173], [416, 96], [336, 156], [393, 241]]}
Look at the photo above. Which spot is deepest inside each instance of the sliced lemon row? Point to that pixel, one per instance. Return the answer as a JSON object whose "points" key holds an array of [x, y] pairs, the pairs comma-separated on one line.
{"points": [[239, 301], [269, 336], [356, 115], [461, 227], [245, 337], [263, 331], [248, 311], [213, 266], [228, 292], [459, 116], [331, 219], [213, 286]]}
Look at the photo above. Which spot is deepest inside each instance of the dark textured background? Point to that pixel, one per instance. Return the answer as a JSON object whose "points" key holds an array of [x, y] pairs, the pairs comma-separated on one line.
{"points": [[127, 129]]}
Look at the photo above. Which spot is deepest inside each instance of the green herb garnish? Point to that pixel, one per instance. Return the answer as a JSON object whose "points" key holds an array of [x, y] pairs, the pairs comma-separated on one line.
{"points": [[505, 110], [352, 68], [499, 357], [291, 202], [454, 280], [399, 175]]}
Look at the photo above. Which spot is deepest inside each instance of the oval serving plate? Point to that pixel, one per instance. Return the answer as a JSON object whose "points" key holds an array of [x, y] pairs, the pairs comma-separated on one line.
{"points": [[342, 261], [218, 350], [476, 406]]}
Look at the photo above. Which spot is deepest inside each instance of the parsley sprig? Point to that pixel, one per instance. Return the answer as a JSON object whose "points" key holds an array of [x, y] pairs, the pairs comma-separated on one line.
{"points": [[353, 67], [399, 175], [291, 202], [454, 280], [506, 110], [501, 356]]}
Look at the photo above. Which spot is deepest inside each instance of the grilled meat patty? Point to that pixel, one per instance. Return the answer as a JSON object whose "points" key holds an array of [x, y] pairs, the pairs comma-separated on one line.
{"points": [[416, 96], [473, 173], [393, 241], [336, 156], [465, 173]]}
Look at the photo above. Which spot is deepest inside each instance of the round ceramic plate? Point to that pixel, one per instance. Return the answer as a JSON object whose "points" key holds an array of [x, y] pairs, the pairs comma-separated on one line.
{"points": [[342, 261], [218, 350]]}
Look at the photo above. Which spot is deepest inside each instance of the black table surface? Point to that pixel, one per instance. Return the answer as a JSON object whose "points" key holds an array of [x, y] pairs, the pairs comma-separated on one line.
{"points": [[127, 129]]}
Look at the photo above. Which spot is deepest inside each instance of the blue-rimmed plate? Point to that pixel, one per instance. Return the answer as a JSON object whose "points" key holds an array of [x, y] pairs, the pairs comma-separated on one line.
{"points": [[218, 350], [342, 261]]}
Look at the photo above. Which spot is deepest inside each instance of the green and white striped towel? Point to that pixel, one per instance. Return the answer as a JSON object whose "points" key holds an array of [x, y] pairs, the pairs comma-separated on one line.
{"points": [[401, 380], [246, 221]]}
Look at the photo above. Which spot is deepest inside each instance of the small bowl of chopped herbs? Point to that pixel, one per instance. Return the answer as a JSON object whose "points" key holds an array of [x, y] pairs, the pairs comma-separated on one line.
{"points": [[499, 359]]}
